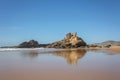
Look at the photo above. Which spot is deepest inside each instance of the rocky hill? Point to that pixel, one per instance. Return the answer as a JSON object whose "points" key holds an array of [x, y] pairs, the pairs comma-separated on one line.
{"points": [[30, 44], [112, 43]]}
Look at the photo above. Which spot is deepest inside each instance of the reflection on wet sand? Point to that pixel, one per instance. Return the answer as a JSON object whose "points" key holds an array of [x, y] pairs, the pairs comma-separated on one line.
{"points": [[72, 56], [105, 51], [31, 54]]}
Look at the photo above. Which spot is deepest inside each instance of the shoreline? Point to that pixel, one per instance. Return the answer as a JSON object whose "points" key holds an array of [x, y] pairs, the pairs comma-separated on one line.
{"points": [[112, 48]]}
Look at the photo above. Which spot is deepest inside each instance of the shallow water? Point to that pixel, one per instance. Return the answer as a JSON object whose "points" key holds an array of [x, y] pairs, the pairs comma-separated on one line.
{"points": [[50, 64]]}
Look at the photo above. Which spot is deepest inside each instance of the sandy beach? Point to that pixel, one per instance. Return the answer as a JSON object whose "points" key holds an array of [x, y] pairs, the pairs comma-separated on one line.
{"points": [[47, 64], [115, 48]]}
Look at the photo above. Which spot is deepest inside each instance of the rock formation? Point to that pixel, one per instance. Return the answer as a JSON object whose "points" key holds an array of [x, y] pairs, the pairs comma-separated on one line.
{"points": [[70, 41], [30, 44]]}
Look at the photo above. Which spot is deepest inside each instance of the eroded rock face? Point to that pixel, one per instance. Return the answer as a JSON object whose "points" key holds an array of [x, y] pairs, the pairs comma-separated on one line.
{"points": [[68, 36], [70, 41], [30, 44]]}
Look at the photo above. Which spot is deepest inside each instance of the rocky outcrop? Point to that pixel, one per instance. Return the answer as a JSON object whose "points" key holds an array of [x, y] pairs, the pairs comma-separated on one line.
{"points": [[70, 41], [30, 44]]}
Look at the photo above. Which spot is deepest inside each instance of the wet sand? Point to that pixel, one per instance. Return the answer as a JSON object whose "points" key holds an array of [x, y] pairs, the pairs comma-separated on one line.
{"points": [[112, 48], [115, 48], [59, 65]]}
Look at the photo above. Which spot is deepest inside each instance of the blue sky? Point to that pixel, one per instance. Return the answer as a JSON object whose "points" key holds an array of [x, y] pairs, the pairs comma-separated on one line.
{"points": [[49, 20]]}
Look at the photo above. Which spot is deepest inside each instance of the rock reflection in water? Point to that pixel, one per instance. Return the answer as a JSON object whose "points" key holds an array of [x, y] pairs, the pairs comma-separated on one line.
{"points": [[31, 54], [72, 56]]}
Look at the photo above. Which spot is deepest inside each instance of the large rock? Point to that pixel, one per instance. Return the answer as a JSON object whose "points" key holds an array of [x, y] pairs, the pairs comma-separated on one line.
{"points": [[30, 44], [70, 41]]}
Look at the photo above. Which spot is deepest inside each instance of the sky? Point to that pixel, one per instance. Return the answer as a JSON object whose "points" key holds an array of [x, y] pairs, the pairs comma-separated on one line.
{"points": [[50, 20]]}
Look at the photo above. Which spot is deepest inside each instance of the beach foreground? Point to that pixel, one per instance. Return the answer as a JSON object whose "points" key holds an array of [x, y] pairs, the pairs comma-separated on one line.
{"points": [[57, 64]]}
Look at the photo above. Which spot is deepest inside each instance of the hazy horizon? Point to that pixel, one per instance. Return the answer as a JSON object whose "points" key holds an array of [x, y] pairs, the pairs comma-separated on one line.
{"points": [[50, 20]]}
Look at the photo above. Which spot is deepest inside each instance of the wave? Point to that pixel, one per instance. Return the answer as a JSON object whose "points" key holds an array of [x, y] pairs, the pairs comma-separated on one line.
{"points": [[19, 49]]}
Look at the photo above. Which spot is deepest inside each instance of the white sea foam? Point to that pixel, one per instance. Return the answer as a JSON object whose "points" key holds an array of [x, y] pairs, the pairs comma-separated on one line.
{"points": [[19, 49]]}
